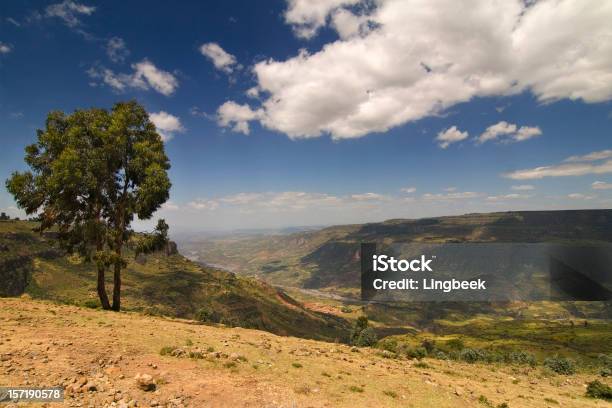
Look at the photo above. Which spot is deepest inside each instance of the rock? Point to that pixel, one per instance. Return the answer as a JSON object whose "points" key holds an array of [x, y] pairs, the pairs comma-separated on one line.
{"points": [[458, 391], [171, 248], [145, 382]]}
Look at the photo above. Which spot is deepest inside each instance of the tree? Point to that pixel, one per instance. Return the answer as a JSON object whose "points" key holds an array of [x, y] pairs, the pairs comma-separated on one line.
{"points": [[90, 173], [362, 335]]}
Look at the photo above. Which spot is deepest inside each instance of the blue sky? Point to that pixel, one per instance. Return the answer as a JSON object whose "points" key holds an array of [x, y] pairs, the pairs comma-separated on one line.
{"points": [[288, 113]]}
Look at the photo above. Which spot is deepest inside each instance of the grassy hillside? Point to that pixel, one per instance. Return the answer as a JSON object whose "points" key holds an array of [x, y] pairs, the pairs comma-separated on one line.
{"points": [[156, 284]]}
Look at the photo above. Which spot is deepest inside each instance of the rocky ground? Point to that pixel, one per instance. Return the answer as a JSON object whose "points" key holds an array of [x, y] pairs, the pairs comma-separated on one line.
{"points": [[107, 359]]}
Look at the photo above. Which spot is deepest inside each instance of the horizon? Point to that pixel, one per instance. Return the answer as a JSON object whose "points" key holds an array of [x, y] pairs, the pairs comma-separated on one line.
{"points": [[273, 116]]}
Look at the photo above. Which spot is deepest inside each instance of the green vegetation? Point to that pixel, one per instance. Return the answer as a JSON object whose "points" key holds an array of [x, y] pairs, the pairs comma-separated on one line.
{"points": [[560, 365], [296, 365], [90, 173], [362, 335], [355, 388], [597, 389], [390, 393], [158, 284]]}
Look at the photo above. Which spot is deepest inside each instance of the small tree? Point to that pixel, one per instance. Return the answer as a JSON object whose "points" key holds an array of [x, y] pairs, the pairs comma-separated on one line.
{"points": [[90, 173], [4, 217], [362, 335]]}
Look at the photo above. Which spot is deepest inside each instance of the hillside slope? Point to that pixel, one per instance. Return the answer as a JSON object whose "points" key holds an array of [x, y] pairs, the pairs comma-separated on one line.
{"points": [[328, 258], [156, 284], [96, 355]]}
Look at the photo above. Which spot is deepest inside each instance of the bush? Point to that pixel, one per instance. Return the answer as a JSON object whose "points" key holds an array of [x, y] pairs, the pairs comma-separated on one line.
{"points": [[429, 345], [521, 358], [560, 365], [390, 393], [471, 356], [355, 388], [167, 350], [296, 365], [440, 355], [346, 309], [388, 344], [91, 303], [597, 389], [362, 335], [416, 352], [207, 315]]}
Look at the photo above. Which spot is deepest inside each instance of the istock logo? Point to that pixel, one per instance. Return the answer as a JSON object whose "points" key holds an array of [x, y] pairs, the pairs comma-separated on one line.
{"points": [[383, 263]]}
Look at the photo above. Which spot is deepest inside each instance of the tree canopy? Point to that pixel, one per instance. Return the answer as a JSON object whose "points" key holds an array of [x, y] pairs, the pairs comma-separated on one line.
{"points": [[91, 172]]}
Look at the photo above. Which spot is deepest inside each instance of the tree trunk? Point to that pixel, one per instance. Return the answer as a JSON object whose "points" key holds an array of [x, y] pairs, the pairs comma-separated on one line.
{"points": [[117, 288], [102, 289]]}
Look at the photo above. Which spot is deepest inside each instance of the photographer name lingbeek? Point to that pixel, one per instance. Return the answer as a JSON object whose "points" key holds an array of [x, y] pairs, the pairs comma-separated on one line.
{"points": [[385, 263]]}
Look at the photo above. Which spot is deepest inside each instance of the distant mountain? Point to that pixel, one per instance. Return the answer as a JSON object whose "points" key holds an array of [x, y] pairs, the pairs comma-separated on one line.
{"points": [[157, 284], [329, 257]]}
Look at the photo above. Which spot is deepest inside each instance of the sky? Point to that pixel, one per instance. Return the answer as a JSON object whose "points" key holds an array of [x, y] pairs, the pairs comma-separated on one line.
{"points": [[294, 113]]}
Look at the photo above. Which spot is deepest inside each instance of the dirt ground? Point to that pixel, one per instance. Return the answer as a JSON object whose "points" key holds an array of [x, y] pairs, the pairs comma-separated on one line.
{"points": [[96, 356]]}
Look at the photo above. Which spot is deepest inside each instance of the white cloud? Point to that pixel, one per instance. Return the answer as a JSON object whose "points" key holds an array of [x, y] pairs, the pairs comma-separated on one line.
{"points": [[450, 189], [504, 197], [451, 196], [504, 129], [221, 59], [13, 21], [170, 206], [408, 190], [573, 166], [203, 204], [116, 49], [307, 16], [369, 197], [523, 187], [237, 116], [450, 135], [421, 58], [69, 11], [601, 185], [5, 48], [594, 156], [580, 196], [145, 76], [167, 125]]}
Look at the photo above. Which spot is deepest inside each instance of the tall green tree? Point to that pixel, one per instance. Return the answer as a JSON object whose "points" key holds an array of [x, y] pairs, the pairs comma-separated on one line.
{"points": [[91, 172]]}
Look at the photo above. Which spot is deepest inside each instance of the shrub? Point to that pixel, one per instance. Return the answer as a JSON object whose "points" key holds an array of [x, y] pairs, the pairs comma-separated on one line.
{"points": [[471, 356], [440, 355], [167, 350], [388, 344], [551, 401], [362, 335], [429, 345], [484, 401], [355, 388], [597, 389], [416, 352], [560, 365], [521, 358], [346, 309], [421, 364], [91, 303], [229, 364], [390, 393], [297, 365], [207, 315]]}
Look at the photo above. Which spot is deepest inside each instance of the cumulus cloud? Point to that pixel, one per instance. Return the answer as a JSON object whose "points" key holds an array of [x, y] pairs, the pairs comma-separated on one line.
{"points": [[170, 206], [167, 125], [419, 59], [572, 166], [369, 197], [221, 59], [5, 48], [307, 16], [450, 135], [504, 130], [408, 190], [523, 187], [145, 76], [601, 185], [203, 204], [116, 49], [69, 12], [269, 201], [237, 116]]}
